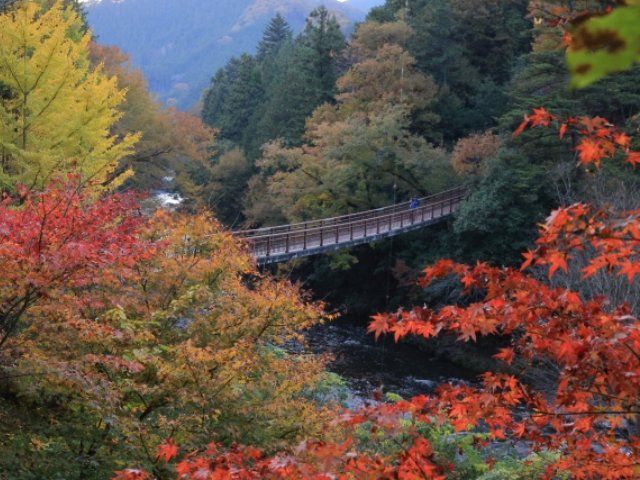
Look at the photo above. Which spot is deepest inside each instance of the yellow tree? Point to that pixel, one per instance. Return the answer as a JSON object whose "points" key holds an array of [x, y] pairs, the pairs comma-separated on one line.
{"points": [[56, 111], [470, 154]]}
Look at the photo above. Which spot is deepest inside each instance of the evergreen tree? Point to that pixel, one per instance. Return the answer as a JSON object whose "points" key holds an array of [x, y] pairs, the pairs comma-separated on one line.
{"points": [[277, 33], [305, 77], [234, 97], [319, 48], [359, 153], [256, 99], [215, 96], [288, 100], [537, 171], [499, 220], [470, 48]]}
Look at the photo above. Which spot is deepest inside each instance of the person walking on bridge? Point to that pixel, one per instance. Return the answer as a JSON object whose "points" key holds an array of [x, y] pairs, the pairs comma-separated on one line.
{"points": [[414, 203]]}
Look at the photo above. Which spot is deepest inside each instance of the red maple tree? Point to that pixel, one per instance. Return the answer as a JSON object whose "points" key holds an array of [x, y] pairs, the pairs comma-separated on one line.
{"points": [[61, 238]]}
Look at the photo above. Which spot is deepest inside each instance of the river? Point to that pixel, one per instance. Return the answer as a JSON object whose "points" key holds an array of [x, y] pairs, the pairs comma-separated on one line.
{"points": [[368, 366]]}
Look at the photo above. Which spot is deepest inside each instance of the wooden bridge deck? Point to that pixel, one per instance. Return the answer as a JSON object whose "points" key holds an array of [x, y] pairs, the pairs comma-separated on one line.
{"points": [[286, 242]]}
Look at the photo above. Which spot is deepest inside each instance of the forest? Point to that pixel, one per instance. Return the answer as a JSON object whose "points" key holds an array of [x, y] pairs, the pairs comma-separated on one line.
{"points": [[145, 341]]}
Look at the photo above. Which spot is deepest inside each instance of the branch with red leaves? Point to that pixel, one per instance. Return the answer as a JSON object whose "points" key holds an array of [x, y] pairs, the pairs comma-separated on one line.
{"points": [[308, 461], [598, 139], [597, 352], [61, 237]]}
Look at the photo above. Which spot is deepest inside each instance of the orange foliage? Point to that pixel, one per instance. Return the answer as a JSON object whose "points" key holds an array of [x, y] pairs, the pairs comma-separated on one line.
{"points": [[597, 139], [161, 325], [470, 154]]}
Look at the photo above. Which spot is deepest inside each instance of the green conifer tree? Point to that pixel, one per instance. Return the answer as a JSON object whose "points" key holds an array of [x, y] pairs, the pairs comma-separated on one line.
{"points": [[277, 33], [305, 76], [233, 98]]}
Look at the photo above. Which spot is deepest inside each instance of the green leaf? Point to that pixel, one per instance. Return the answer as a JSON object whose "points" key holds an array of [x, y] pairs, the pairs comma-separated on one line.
{"points": [[605, 44]]}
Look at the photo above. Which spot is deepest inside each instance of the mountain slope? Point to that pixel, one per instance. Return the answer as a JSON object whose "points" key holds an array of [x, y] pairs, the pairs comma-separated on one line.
{"points": [[179, 44]]}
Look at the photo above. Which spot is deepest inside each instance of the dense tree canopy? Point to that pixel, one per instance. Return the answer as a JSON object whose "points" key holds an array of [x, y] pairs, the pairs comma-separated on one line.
{"points": [[138, 344], [256, 99], [359, 153], [171, 143]]}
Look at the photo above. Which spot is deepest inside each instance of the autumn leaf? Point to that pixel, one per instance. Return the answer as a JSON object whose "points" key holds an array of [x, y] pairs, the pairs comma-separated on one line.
{"points": [[622, 139], [506, 354], [541, 117], [630, 269], [633, 158], [590, 151], [167, 451], [131, 474], [379, 325], [557, 261], [603, 44], [563, 130], [529, 257]]}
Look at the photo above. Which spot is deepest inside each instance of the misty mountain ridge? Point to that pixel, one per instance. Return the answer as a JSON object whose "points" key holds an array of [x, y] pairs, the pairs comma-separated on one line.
{"points": [[179, 44]]}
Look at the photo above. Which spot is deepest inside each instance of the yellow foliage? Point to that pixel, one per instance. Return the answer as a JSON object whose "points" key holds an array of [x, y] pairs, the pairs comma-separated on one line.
{"points": [[57, 112], [384, 73], [371, 36], [190, 343], [171, 141]]}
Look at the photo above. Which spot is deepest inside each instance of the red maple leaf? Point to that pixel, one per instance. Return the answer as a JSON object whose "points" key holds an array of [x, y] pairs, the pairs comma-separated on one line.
{"points": [[379, 325], [506, 355], [633, 158], [167, 450], [590, 151]]}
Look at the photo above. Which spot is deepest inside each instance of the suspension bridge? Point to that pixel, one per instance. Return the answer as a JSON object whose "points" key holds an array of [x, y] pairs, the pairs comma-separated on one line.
{"points": [[286, 242]]}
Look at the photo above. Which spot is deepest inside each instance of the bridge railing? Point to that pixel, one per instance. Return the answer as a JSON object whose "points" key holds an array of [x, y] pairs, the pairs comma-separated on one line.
{"points": [[290, 240], [350, 217]]}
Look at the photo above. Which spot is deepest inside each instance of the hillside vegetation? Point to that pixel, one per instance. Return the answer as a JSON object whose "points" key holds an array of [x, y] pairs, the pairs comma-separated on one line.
{"points": [[141, 343]]}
